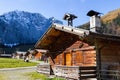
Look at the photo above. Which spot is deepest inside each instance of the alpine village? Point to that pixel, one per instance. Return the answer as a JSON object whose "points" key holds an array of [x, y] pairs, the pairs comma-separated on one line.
{"points": [[87, 52]]}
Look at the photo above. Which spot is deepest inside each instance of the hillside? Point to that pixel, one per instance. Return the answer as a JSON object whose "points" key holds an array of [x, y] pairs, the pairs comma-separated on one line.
{"points": [[110, 23], [20, 27], [110, 16]]}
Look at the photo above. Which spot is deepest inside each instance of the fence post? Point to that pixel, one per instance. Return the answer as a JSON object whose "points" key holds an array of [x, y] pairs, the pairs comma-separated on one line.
{"points": [[79, 74]]}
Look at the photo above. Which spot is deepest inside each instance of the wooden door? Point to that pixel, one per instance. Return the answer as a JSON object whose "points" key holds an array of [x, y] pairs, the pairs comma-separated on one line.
{"points": [[68, 59]]}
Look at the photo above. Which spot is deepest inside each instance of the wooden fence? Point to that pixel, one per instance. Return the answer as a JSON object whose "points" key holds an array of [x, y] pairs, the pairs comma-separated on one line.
{"points": [[78, 72], [75, 72], [69, 72], [87, 72], [44, 69], [109, 75]]}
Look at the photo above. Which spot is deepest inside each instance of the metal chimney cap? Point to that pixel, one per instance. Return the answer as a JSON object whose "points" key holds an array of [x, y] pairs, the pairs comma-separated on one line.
{"points": [[69, 16], [92, 12]]}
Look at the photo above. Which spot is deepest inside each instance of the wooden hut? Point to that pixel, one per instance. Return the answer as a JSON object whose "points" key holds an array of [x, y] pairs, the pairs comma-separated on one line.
{"points": [[74, 48], [28, 55], [81, 54], [19, 54], [67, 49], [39, 54]]}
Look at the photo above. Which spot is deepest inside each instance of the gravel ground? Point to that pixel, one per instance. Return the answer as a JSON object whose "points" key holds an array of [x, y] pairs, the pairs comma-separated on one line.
{"points": [[16, 73]]}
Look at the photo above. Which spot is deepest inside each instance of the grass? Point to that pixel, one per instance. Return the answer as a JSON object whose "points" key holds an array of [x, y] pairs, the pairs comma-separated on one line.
{"points": [[13, 63], [110, 16], [38, 76], [1, 77]]}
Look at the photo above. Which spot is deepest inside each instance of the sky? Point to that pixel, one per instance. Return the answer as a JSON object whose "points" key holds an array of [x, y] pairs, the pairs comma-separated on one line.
{"points": [[57, 8]]}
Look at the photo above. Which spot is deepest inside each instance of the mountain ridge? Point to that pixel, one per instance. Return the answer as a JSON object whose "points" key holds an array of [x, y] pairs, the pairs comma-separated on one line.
{"points": [[21, 27]]}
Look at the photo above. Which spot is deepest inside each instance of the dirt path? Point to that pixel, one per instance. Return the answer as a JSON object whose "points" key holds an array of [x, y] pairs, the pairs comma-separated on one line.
{"points": [[16, 73]]}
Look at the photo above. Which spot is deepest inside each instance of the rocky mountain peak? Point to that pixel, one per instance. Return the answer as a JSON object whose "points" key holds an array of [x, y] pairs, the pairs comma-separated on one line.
{"points": [[20, 27]]}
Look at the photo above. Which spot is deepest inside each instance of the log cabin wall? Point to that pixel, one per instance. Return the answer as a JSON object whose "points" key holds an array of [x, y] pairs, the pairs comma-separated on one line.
{"points": [[110, 57], [75, 55], [76, 45], [110, 54], [59, 60], [84, 58], [77, 58]]}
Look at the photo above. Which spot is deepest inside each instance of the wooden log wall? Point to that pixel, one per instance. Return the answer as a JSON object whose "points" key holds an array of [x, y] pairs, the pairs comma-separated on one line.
{"points": [[110, 53], [89, 58], [84, 58], [77, 58], [110, 57], [78, 54]]}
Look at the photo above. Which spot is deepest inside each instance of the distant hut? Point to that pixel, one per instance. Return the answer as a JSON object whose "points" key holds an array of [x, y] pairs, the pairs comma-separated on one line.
{"points": [[18, 54], [40, 54], [28, 54]]}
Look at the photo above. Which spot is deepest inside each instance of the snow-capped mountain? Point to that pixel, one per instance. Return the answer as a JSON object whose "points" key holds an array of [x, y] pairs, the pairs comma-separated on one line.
{"points": [[20, 27]]}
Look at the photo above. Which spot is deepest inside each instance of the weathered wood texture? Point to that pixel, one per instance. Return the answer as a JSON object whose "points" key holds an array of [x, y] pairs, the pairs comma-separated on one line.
{"points": [[110, 53], [78, 54], [87, 72], [77, 45], [67, 71], [75, 72], [57, 40], [109, 58], [66, 49], [44, 69]]}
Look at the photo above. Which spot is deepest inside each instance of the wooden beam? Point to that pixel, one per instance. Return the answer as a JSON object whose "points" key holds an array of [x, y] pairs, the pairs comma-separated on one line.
{"points": [[42, 50], [51, 56], [98, 59], [98, 47], [85, 48]]}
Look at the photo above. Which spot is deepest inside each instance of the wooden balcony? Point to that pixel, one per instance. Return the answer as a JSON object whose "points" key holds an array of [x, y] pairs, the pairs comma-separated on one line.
{"points": [[75, 72], [112, 73], [69, 72], [44, 69]]}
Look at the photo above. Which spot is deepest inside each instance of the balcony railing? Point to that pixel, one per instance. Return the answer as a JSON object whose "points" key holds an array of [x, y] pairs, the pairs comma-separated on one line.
{"points": [[44, 69], [79, 72], [75, 72], [110, 75]]}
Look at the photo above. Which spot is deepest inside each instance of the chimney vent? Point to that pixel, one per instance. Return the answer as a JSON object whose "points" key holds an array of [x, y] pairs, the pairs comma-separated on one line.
{"points": [[69, 17], [95, 21]]}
